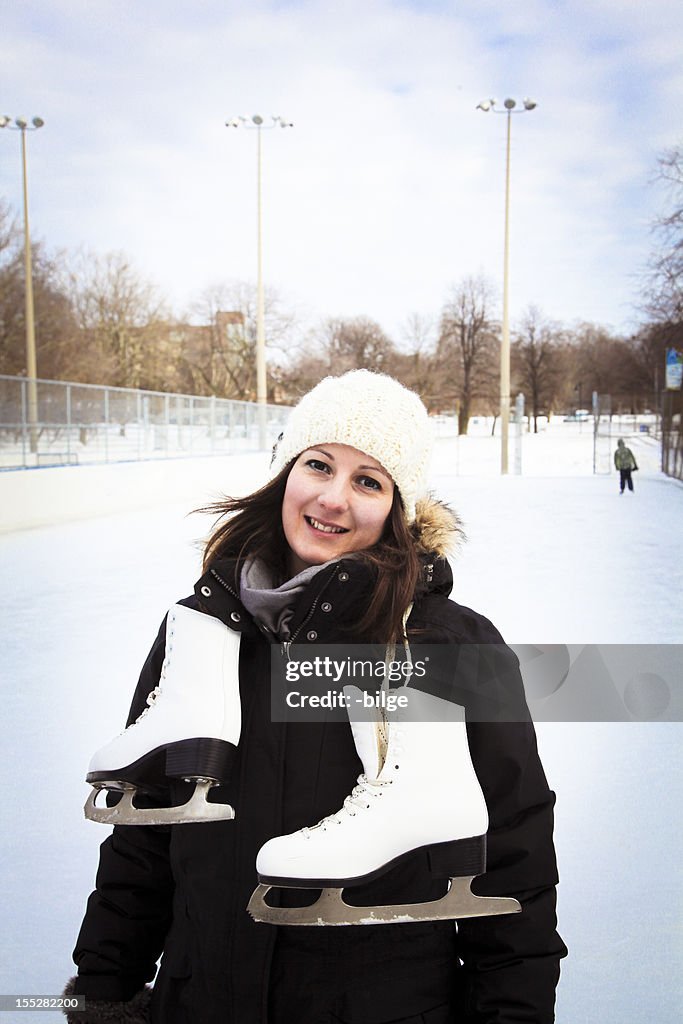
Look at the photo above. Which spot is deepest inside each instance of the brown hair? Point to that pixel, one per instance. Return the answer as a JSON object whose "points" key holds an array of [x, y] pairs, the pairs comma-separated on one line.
{"points": [[254, 529]]}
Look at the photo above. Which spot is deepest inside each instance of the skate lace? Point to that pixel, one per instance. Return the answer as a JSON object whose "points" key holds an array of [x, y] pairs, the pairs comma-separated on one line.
{"points": [[152, 697], [358, 799]]}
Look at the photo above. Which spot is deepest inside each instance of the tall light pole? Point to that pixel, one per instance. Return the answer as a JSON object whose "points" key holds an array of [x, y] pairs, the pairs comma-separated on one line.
{"points": [[509, 105], [22, 125], [257, 122]]}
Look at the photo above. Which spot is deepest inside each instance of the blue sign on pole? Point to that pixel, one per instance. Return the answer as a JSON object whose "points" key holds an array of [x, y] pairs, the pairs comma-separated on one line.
{"points": [[674, 369]]}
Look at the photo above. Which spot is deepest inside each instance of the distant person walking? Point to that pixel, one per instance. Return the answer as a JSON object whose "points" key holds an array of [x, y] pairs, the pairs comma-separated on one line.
{"points": [[625, 462]]}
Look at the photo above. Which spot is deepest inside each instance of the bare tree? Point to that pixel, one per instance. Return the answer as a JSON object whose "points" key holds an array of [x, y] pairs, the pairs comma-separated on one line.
{"points": [[335, 346], [536, 359], [415, 364], [218, 350], [598, 360], [121, 318], [217, 353], [649, 347], [9, 229], [355, 343], [664, 284], [468, 342], [12, 359], [54, 322]]}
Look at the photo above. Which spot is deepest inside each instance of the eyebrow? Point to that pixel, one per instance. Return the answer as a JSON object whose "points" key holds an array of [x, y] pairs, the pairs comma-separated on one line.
{"points": [[372, 469]]}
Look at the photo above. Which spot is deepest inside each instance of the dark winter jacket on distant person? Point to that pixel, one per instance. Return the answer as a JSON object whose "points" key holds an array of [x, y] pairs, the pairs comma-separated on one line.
{"points": [[624, 457]]}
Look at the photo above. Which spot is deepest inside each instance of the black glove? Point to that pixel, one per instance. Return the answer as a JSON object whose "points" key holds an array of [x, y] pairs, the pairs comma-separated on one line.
{"points": [[99, 1011]]}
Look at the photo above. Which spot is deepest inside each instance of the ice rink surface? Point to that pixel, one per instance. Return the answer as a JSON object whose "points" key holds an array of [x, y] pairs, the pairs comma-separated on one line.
{"points": [[555, 556]]}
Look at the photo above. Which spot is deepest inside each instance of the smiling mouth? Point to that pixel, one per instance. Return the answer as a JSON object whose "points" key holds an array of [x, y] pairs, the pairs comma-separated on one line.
{"points": [[322, 528]]}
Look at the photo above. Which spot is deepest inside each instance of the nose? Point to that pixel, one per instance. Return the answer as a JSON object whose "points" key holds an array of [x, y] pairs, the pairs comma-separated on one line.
{"points": [[334, 497]]}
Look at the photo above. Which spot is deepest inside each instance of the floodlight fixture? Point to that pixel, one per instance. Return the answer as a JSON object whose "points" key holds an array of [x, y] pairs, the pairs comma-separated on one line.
{"points": [[22, 125], [509, 104], [257, 124]]}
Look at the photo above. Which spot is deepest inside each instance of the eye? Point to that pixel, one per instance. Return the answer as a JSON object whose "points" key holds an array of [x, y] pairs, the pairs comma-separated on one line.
{"points": [[370, 483], [318, 465]]}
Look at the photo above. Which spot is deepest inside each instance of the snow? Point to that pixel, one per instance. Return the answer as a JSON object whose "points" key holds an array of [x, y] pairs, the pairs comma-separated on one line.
{"points": [[554, 556]]}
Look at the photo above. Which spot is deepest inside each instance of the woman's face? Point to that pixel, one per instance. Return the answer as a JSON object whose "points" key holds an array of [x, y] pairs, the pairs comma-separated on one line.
{"points": [[336, 501]]}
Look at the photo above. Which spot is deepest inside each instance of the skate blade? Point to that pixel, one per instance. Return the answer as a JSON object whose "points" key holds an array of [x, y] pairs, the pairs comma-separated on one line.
{"points": [[196, 809], [330, 908]]}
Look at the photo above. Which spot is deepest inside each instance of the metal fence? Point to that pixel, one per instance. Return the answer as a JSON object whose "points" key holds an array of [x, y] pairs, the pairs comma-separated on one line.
{"points": [[602, 433], [672, 433], [86, 423]]}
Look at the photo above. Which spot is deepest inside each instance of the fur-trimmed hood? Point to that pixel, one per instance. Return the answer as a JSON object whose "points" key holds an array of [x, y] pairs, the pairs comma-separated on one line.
{"points": [[438, 529]]}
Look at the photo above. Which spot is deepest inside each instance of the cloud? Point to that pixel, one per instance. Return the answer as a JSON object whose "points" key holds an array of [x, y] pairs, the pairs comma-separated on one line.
{"points": [[390, 185]]}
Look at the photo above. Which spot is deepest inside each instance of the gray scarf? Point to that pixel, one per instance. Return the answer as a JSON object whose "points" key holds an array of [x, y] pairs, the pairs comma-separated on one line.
{"points": [[269, 605]]}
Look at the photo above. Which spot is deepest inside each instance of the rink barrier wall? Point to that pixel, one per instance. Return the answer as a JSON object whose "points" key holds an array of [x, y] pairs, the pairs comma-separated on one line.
{"points": [[45, 497], [48, 496]]}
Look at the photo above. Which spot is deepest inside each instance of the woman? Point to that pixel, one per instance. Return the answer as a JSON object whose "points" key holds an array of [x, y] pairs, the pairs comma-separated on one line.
{"points": [[341, 545]]}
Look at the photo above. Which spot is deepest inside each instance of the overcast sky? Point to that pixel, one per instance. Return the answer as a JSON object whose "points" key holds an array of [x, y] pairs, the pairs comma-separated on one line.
{"points": [[390, 186]]}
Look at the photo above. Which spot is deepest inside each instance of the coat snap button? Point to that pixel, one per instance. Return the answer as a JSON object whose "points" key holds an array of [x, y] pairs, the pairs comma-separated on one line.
{"points": [[235, 616], [206, 591], [326, 606], [312, 635], [343, 576]]}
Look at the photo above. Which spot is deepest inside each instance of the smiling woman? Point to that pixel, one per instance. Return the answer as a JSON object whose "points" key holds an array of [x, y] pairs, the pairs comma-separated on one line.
{"points": [[346, 477], [337, 501], [342, 544]]}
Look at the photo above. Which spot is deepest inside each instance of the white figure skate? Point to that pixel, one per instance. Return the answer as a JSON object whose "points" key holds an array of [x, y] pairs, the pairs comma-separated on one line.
{"points": [[189, 730], [419, 791]]}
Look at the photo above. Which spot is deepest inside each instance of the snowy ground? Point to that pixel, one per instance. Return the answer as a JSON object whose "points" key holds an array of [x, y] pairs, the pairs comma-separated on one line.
{"points": [[554, 557]]}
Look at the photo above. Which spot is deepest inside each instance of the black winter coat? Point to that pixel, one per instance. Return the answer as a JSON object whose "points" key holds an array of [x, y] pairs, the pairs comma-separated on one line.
{"points": [[182, 890]]}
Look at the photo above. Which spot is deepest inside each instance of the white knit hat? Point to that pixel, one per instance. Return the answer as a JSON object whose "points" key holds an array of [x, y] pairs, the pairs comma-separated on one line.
{"points": [[371, 412]]}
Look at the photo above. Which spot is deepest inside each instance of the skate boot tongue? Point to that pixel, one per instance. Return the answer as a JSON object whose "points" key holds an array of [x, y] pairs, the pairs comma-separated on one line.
{"points": [[369, 732]]}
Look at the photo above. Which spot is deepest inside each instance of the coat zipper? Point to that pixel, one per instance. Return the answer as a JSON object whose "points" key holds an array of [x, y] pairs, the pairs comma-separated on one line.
{"points": [[286, 644], [226, 586]]}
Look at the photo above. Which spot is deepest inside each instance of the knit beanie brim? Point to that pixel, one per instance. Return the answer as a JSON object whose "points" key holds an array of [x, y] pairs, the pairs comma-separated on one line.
{"points": [[373, 413]]}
